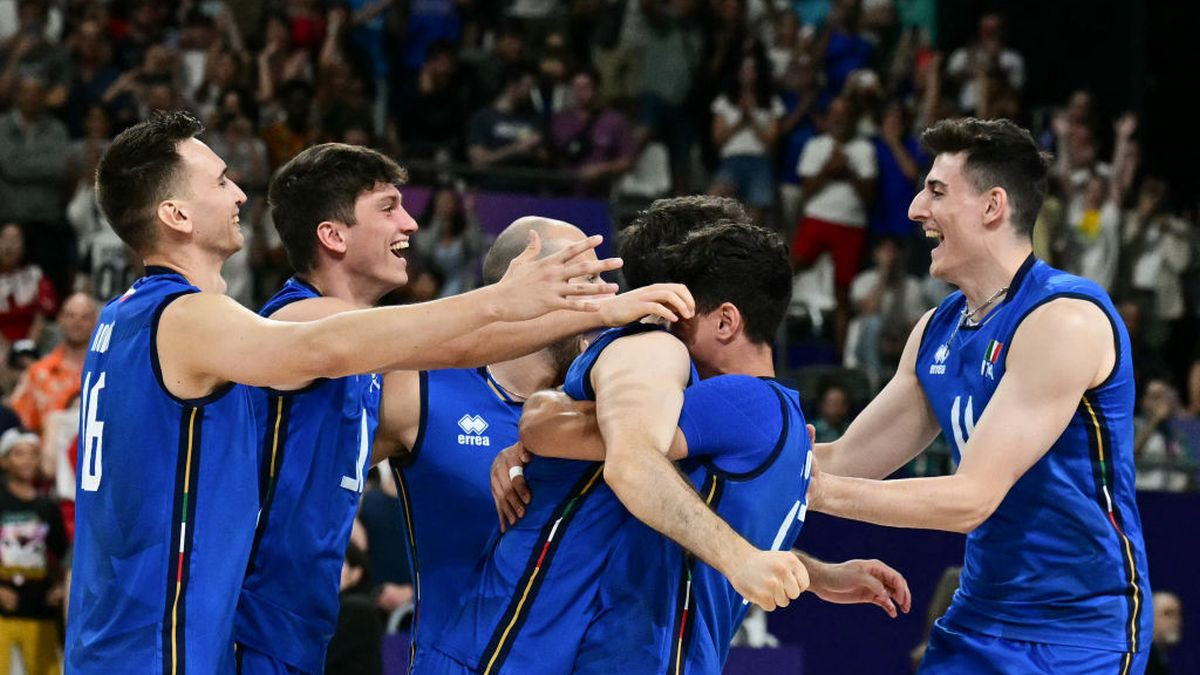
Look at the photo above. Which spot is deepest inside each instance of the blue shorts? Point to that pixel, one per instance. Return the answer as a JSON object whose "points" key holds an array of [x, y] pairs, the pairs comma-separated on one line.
{"points": [[752, 178], [250, 661], [952, 651]]}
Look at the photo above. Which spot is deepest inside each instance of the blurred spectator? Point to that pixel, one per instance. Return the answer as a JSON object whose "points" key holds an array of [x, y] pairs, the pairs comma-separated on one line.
{"points": [[841, 47], [30, 55], [592, 139], [799, 91], [451, 242], [280, 61], [785, 43], [888, 302], [50, 383], [433, 119], [1089, 245], [617, 40], [429, 20], [26, 297], [33, 152], [839, 169], [902, 163], [508, 54], [507, 133], [1156, 251], [833, 413], [1156, 444], [145, 26], [1168, 628], [970, 66], [552, 91], [745, 129], [32, 546], [357, 642], [222, 73], [92, 73], [286, 137], [674, 43]]}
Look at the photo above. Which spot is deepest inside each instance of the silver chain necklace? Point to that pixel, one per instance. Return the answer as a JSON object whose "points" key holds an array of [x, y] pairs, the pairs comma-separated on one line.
{"points": [[968, 315]]}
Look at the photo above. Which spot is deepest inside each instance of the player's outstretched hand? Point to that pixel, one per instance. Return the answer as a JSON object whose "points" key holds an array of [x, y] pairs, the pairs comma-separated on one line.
{"points": [[509, 490], [861, 581], [669, 302], [770, 579], [532, 287]]}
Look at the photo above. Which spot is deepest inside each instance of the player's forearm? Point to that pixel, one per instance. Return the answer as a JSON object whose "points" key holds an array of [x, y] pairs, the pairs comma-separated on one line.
{"points": [[949, 503], [651, 488], [411, 337], [506, 340]]}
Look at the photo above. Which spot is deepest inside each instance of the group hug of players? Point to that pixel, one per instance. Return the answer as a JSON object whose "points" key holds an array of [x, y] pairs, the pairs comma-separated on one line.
{"points": [[651, 481]]}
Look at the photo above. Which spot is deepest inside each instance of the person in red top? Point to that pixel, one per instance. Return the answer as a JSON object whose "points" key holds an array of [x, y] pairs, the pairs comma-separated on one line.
{"points": [[26, 296], [51, 382]]}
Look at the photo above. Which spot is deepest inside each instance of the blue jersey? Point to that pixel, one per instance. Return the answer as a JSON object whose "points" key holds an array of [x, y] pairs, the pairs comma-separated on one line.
{"points": [[165, 503], [750, 459], [314, 450], [527, 605], [445, 490], [1061, 560]]}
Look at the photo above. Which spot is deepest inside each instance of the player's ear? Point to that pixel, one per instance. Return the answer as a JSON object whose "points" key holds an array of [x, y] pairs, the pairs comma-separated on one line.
{"points": [[995, 206], [173, 215], [331, 237], [729, 322]]}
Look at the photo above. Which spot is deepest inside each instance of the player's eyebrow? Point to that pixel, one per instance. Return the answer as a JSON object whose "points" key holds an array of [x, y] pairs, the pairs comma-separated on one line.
{"points": [[224, 170], [933, 183]]}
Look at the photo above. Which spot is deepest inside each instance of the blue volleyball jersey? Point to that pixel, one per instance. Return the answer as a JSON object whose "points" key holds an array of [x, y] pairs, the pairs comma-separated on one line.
{"points": [[528, 603], [444, 484], [165, 503], [314, 451], [1061, 560], [750, 458]]}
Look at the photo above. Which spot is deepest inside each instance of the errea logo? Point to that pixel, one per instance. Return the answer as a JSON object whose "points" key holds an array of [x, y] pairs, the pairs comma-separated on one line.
{"points": [[939, 365], [473, 427]]}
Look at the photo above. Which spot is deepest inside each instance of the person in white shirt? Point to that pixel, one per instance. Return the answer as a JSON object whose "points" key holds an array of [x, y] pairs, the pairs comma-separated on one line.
{"points": [[746, 128]]}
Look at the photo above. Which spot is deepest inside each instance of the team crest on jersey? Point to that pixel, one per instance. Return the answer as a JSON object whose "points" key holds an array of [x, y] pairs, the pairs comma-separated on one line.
{"points": [[990, 357], [939, 360], [473, 427]]}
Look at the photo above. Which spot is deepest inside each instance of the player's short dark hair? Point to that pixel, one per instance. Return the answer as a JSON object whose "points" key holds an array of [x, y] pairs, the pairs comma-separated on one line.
{"points": [[323, 183], [139, 170], [998, 154], [667, 222], [734, 262]]}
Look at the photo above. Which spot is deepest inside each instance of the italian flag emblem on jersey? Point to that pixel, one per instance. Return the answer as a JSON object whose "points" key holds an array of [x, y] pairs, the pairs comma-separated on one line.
{"points": [[993, 351]]}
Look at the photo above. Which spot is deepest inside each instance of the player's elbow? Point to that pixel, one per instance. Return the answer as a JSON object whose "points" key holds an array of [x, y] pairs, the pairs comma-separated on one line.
{"points": [[976, 506], [619, 475]]}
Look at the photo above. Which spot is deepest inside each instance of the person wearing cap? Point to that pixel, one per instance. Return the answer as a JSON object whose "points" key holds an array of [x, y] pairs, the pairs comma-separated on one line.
{"points": [[32, 545]]}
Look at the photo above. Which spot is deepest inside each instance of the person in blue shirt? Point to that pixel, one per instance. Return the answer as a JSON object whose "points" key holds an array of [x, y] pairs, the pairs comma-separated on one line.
{"points": [[441, 429], [167, 490], [1027, 371]]}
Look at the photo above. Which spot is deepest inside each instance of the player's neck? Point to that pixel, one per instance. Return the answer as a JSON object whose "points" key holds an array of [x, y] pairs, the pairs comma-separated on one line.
{"points": [[202, 270], [333, 283], [740, 358], [987, 277], [520, 378]]}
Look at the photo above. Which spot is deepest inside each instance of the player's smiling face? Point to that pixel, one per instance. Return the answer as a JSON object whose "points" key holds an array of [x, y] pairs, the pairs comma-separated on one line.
{"points": [[210, 199], [951, 212], [377, 245]]}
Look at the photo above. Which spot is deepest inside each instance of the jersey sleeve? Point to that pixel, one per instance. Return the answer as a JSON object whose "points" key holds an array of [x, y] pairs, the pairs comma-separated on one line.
{"points": [[735, 420]]}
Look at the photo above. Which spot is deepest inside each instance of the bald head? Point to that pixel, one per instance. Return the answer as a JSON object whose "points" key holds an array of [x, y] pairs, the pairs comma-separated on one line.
{"points": [[77, 319], [555, 234]]}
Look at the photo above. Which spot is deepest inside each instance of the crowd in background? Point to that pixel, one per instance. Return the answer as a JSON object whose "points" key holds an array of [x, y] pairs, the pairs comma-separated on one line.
{"points": [[808, 111]]}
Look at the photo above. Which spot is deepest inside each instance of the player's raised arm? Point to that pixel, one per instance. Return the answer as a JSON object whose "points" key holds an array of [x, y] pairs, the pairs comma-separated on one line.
{"points": [[1045, 380], [639, 394], [205, 338], [895, 427]]}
